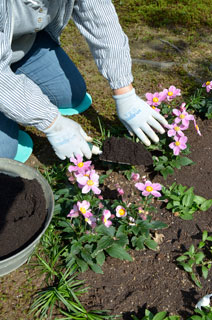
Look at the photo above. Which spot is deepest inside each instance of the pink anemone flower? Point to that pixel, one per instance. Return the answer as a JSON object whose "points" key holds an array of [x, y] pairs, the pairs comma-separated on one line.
{"points": [[105, 218], [148, 188], [178, 145], [89, 183], [183, 117], [135, 176], [207, 85], [74, 212], [80, 166], [174, 129], [155, 99], [121, 212], [172, 93], [83, 208]]}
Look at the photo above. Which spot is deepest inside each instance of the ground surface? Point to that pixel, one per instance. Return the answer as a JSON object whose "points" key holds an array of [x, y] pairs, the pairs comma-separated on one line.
{"points": [[161, 57], [153, 279]]}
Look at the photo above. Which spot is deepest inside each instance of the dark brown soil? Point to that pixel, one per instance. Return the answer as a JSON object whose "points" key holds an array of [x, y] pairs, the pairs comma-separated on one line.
{"points": [[125, 151], [154, 280], [23, 213]]}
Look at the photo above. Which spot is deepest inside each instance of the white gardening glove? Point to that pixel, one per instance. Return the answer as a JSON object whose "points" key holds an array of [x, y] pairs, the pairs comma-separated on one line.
{"points": [[68, 139], [138, 117]]}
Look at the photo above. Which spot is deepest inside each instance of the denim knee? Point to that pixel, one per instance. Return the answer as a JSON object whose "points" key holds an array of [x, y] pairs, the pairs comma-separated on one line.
{"points": [[8, 137], [79, 94]]}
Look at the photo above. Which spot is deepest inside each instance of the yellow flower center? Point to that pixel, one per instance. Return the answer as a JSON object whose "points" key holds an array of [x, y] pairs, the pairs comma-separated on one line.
{"points": [[155, 99], [177, 143], [176, 128], [149, 189], [170, 93], [121, 212], [182, 116], [83, 210], [90, 182], [208, 83], [105, 220], [80, 164], [153, 107], [197, 127]]}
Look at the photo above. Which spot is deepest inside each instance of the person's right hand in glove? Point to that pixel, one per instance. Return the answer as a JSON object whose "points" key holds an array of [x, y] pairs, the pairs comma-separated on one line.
{"points": [[138, 117], [68, 139]]}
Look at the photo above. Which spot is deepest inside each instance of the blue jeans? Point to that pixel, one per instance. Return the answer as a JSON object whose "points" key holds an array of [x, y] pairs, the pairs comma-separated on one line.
{"points": [[52, 70]]}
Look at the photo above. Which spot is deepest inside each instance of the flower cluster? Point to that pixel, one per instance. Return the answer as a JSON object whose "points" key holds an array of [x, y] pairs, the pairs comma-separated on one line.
{"points": [[177, 128], [95, 210], [85, 175], [167, 95], [181, 117]]}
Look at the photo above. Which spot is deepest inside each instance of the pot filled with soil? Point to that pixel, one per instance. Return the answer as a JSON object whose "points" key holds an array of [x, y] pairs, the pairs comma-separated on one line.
{"points": [[27, 204]]}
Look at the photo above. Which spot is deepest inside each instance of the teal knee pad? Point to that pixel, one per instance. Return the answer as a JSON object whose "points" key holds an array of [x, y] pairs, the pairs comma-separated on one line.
{"points": [[84, 105], [25, 146]]}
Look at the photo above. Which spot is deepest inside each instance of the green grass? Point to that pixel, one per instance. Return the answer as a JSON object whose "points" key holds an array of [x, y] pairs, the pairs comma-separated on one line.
{"points": [[159, 13]]}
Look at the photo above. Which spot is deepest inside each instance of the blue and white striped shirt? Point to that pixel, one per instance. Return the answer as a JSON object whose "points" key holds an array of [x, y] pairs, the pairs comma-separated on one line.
{"points": [[20, 98]]}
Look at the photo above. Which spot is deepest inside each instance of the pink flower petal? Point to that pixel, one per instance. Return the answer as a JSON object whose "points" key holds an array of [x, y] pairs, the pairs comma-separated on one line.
{"points": [[156, 194]]}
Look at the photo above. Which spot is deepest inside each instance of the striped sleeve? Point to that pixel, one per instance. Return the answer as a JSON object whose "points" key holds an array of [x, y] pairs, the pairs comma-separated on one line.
{"points": [[20, 98], [98, 22]]}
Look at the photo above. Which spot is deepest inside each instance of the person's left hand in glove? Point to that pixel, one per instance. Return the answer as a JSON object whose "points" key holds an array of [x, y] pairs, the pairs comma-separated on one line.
{"points": [[137, 116]]}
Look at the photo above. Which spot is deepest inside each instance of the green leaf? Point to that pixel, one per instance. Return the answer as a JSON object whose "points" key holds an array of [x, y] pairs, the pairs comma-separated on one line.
{"points": [[167, 171], [120, 231], [122, 240], [119, 252], [182, 258], [148, 314], [192, 249], [96, 268], [151, 244], [204, 272], [204, 235], [169, 205], [198, 199], [174, 197], [199, 257], [160, 315], [82, 264], [100, 258], [186, 267], [104, 243], [206, 205], [196, 281], [188, 198], [86, 255], [155, 225], [186, 216], [106, 231], [201, 244], [185, 161], [139, 243]]}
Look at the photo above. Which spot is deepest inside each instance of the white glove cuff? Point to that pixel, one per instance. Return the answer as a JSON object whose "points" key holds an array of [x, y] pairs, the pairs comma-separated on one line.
{"points": [[125, 95], [53, 126]]}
